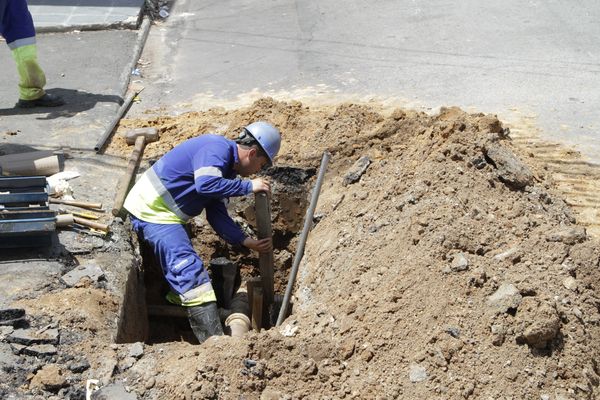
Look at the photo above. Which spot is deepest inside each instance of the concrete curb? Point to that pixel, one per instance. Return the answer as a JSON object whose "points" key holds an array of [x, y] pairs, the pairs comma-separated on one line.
{"points": [[124, 80], [143, 32], [130, 25]]}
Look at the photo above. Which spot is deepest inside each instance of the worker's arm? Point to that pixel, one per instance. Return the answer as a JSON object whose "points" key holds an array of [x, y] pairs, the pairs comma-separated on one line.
{"points": [[209, 165], [221, 222], [218, 217]]}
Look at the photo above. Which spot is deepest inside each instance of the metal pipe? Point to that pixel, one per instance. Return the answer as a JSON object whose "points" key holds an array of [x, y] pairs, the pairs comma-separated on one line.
{"points": [[113, 123], [300, 250], [23, 220]]}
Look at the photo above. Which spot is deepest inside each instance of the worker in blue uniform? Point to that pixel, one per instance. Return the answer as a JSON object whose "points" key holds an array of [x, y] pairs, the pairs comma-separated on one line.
{"points": [[199, 174], [16, 27]]}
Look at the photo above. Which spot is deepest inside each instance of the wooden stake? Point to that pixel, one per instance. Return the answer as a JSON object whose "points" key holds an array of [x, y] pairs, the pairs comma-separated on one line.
{"points": [[257, 308], [250, 284], [263, 224]]}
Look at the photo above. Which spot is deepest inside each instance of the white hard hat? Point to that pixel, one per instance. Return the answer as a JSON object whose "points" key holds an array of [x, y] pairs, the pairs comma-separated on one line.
{"points": [[267, 136]]}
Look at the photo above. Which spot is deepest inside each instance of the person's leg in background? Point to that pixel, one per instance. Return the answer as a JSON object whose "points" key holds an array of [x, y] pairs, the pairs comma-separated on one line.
{"points": [[17, 28]]}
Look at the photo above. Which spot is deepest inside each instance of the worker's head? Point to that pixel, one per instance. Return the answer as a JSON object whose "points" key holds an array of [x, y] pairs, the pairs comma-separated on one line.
{"points": [[258, 146]]}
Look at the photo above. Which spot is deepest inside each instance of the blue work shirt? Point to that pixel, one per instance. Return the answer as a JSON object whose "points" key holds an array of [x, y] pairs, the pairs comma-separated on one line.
{"points": [[196, 175]]}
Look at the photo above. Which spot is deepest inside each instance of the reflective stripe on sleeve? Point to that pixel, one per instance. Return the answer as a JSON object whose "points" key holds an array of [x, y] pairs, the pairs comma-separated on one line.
{"points": [[207, 171]]}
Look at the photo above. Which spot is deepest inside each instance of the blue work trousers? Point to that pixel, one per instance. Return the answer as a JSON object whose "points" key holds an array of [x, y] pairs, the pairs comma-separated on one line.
{"points": [[15, 21], [181, 265]]}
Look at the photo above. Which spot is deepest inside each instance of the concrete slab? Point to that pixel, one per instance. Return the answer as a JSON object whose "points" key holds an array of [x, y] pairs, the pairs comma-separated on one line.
{"points": [[22, 277], [61, 15]]}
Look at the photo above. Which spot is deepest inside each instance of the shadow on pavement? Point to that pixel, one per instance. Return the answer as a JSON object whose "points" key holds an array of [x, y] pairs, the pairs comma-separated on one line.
{"points": [[13, 148], [53, 250], [76, 101]]}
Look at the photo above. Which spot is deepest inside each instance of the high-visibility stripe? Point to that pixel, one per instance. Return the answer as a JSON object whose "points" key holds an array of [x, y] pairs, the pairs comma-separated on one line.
{"points": [[194, 297], [165, 195], [150, 201], [21, 42], [208, 171]]}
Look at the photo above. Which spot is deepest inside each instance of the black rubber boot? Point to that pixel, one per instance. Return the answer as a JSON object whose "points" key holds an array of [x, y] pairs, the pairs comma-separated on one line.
{"points": [[205, 321], [47, 100]]}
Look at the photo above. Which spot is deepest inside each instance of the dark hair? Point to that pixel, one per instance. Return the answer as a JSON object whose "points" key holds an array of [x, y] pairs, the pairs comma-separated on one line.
{"points": [[247, 140]]}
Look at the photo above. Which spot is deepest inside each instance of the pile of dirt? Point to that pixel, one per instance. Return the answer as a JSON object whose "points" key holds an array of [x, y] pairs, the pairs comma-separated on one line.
{"points": [[441, 266]]}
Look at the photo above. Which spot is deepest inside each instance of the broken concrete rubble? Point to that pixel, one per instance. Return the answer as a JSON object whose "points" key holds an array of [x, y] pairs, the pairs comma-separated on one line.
{"points": [[460, 262], [136, 350], [40, 350], [570, 235], [513, 255], [507, 297], [14, 317], [417, 373], [90, 270], [28, 337], [512, 171], [357, 170], [538, 323], [113, 391]]}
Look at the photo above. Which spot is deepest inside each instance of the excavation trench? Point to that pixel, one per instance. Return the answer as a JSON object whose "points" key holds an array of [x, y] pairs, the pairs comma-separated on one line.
{"points": [[147, 316], [417, 279]]}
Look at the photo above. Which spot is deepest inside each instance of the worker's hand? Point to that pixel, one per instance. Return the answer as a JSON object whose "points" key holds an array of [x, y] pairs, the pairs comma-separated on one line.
{"points": [[260, 245], [261, 185]]}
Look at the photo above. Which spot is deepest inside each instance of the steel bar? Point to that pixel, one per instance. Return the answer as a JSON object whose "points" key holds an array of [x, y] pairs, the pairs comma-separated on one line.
{"points": [[13, 182], [134, 91], [4, 209], [25, 214], [27, 227], [308, 220], [16, 198]]}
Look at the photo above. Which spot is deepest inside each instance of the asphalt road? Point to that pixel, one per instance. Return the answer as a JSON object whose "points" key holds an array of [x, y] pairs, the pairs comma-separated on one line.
{"points": [[538, 60]]}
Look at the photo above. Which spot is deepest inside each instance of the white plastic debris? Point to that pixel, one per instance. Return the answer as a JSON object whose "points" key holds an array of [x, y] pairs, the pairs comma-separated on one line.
{"points": [[91, 385], [58, 185], [163, 12], [289, 330]]}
